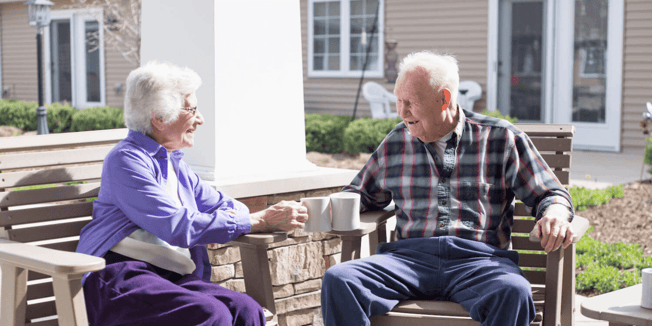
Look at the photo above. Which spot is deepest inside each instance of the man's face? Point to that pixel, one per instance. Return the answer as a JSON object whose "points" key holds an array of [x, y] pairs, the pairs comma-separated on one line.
{"points": [[420, 106]]}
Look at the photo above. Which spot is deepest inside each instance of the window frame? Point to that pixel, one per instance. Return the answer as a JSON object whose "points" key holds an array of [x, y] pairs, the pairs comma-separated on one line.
{"points": [[345, 39]]}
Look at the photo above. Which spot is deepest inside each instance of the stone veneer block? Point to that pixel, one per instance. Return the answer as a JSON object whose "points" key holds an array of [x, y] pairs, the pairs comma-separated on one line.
{"points": [[296, 196], [334, 259], [238, 270], [222, 273], [318, 236], [283, 291], [223, 256], [307, 286], [255, 204], [298, 302], [298, 233], [317, 320], [322, 192], [214, 246], [332, 246], [298, 263], [237, 285], [298, 318], [289, 242]]}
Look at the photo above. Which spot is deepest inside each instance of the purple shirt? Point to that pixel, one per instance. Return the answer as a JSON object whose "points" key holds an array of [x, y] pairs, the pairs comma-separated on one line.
{"points": [[133, 195]]}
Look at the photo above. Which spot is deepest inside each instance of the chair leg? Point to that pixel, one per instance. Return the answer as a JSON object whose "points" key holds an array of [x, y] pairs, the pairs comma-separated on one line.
{"points": [[555, 262], [70, 303], [568, 286], [350, 248], [14, 295], [257, 275]]}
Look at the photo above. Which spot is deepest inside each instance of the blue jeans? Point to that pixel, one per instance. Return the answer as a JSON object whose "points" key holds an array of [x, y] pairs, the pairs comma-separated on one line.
{"points": [[485, 280]]}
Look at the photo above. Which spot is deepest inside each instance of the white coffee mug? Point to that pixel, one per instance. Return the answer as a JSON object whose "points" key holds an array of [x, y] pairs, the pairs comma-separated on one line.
{"points": [[319, 214], [646, 295], [345, 208]]}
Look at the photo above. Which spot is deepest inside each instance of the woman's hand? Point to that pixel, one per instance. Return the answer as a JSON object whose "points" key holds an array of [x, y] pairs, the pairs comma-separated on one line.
{"points": [[284, 216]]}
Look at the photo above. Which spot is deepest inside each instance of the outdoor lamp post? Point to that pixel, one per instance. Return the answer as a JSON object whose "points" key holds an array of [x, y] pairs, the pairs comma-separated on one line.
{"points": [[39, 16]]}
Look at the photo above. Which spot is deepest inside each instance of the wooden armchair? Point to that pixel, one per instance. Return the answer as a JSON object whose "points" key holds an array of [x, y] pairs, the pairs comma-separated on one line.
{"points": [[552, 276], [39, 228]]}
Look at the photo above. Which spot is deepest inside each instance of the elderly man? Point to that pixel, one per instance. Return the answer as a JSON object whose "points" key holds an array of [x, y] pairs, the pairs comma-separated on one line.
{"points": [[453, 175]]}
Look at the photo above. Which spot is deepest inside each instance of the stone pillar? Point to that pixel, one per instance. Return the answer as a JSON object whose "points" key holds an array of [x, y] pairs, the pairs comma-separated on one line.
{"points": [[248, 54]]}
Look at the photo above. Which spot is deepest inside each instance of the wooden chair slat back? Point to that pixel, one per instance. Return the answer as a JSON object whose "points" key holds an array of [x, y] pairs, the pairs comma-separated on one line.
{"points": [[47, 232], [45, 213], [53, 141], [48, 195], [59, 157], [50, 176]]}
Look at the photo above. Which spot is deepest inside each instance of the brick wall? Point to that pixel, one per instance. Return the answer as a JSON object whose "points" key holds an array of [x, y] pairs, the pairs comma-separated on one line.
{"points": [[297, 264]]}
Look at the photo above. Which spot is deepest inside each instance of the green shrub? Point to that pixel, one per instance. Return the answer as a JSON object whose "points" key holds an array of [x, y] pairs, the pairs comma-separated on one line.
{"points": [[583, 197], [365, 134], [647, 157], [496, 114], [325, 132], [60, 117], [19, 114], [608, 267], [98, 118]]}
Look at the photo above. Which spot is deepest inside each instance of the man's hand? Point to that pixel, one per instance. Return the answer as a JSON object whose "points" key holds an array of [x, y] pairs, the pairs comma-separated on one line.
{"points": [[284, 216], [554, 229]]}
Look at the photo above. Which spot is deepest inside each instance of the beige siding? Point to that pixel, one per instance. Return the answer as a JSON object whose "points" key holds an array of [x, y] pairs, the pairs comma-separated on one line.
{"points": [[416, 25], [18, 52], [637, 70], [19, 57]]}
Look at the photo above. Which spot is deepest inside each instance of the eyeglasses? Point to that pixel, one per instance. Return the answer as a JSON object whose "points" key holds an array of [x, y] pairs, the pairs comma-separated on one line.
{"points": [[191, 110]]}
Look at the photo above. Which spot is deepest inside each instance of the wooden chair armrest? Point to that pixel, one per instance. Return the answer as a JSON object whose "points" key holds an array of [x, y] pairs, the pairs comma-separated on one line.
{"points": [[47, 261], [580, 226], [257, 239], [369, 222]]}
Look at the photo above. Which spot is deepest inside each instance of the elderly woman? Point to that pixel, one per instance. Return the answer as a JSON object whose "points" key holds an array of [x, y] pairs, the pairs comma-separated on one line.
{"points": [[154, 217]]}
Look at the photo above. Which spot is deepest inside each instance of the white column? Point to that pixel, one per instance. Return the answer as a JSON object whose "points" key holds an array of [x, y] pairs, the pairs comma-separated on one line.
{"points": [[248, 54]]}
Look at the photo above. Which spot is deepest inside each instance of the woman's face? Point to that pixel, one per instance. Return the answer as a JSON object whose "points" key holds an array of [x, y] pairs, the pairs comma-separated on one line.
{"points": [[181, 133]]}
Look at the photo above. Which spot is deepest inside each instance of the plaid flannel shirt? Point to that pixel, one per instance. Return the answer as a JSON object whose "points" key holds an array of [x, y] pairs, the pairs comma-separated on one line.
{"points": [[469, 193]]}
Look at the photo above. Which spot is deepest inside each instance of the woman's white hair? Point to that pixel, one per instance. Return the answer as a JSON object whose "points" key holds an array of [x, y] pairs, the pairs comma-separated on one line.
{"points": [[442, 69], [158, 89]]}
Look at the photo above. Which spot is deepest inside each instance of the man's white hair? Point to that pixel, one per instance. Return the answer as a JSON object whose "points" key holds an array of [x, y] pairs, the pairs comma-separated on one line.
{"points": [[159, 89], [442, 69]]}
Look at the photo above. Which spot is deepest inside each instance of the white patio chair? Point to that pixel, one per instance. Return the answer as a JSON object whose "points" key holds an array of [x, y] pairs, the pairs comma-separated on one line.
{"points": [[379, 99], [469, 92]]}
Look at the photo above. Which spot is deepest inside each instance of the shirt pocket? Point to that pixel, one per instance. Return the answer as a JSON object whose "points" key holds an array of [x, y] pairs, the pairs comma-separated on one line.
{"points": [[477, 203]]}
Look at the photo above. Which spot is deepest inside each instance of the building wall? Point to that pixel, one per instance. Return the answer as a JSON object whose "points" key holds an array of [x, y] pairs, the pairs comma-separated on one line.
{"points": [[637, 70], [19, 57], [18, 52], [458, 28]]}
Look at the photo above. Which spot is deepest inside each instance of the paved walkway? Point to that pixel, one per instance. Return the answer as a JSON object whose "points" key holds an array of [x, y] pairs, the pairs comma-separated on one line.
{"points": [[599, 169]]}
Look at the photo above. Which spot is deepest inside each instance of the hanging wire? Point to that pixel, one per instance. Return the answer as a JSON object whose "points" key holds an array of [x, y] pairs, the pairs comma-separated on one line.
{"points": [[366, 59]]}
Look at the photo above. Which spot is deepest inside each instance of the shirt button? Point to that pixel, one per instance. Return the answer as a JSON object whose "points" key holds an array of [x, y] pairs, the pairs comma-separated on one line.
{"points": [[441, 225], [443, 180], [443, 202]]}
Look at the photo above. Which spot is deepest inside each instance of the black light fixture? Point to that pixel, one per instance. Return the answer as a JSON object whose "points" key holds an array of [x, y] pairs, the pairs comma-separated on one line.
{"points": [[39, 16]]}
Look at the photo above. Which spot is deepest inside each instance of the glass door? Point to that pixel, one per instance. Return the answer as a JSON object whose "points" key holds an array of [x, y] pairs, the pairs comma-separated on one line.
{"points": [[61, 61], [75, 54], [589, 73], [521, 61]]}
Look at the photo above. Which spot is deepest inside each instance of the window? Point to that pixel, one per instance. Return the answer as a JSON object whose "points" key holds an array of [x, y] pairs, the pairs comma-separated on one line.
{"points": [[339, 33]]}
